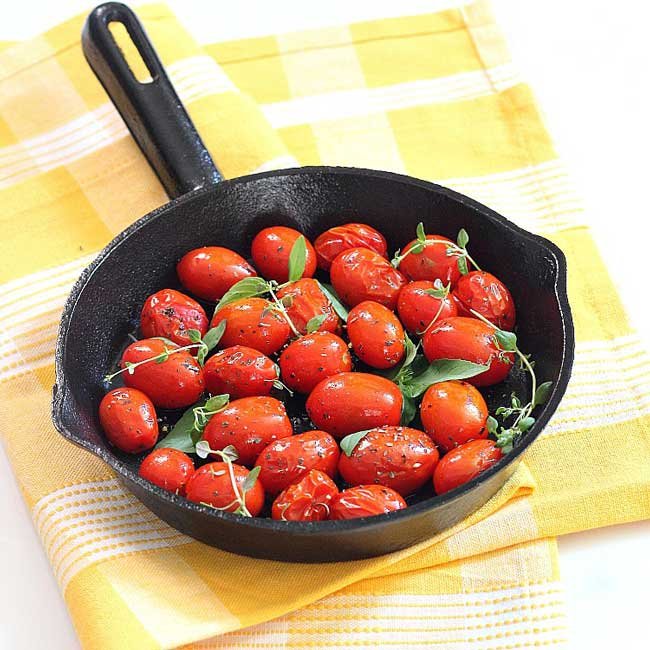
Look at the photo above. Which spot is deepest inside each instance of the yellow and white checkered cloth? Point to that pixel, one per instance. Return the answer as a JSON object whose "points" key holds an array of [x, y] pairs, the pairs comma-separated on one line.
{"points": [[435, 96]]}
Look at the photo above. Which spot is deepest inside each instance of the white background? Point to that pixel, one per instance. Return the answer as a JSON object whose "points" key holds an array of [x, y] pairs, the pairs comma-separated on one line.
{"points": [[588, 62]]}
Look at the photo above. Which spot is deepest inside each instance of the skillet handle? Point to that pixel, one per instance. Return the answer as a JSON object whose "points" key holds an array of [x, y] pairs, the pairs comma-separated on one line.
{"points": [[152, 111]]}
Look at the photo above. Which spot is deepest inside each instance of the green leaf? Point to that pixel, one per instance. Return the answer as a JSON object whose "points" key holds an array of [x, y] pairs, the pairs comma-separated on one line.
{"points": [[542, 393], [442, 370], [213, 335], [409, 410], [463, 238], [249, 481], [506, 341], [492, 425], [230, 452], [525, 424], [202, 448], [297, 259], [202, 352], [419, 233], [349, 443], [314, 323], [246, 288], [439, 290], [515, 402], [416, 248], [462, 265], [337, 305], [506, 440], [180, 436], [159, 358], [217, 402], [194, 336]]}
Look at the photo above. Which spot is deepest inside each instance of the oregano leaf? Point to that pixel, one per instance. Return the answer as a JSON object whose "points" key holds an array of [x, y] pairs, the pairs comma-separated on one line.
{"points": [[194, 335], [336, 303], [180, 435], [217, 402], [409, 410], [213, 335], [463, 238], [419, 233], [249, 481], [349, 443], [542, 393], [462, 265], [492, 425], [297, 259], [314, 323], [506, 341], [246, 288], [442, 370]]}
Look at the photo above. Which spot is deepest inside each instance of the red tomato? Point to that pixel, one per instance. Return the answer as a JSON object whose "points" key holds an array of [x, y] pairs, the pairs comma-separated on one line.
{"points": [[170, 314], [360, 274], [240, 372], [377, 337], [487, 295], [417, 308], [286, 461], [270, 251], [472, 340], [350, 235], [354, 401], [210, 271], [248, 424], [307, 301], [129, 420], [400, 458], [311, 358], [463, 463], [167, 468], [307, 500], [432, 263], [365, 501], [212, 485], [172, 384], [453, 412], [252, 322]]}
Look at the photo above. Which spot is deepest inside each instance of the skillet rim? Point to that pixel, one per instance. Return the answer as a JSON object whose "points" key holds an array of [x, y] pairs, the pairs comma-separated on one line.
{"points": [[62, 393]]}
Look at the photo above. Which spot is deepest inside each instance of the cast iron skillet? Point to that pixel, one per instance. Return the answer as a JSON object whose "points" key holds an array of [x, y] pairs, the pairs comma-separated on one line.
{"points": [[206, 210]]}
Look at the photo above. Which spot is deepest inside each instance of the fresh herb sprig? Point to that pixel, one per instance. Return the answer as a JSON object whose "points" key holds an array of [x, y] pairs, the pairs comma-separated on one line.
{"points": [[441, 292], [458, 250]]}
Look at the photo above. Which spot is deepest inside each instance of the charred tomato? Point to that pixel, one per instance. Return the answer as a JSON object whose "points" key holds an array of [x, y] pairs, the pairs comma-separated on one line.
{"points": [[487, 295], [463, 463], [334, 241], [303, 301], [432, 263], [365, 501], [307, 500]]}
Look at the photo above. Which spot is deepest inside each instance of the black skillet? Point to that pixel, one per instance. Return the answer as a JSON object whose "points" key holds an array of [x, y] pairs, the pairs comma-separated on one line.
{"points": [[206, 210]]}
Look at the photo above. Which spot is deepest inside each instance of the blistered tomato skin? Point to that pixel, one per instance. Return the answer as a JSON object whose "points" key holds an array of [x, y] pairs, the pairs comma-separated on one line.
{"points": [[209, 272], [306, 301], [360, 274], [239, 371], [170, 313], [453, 413], [487, 295], [306, 500], [173, 384], [128, 419], [211, 485], [365, 501], [417, 308], [354, 401], [248, 424], [270, 251], [169, 469], [471, 340], [252, 322], [376, 335], [432, 263], [463, 463], [305, 362], [400, 458], [334, 241], [287, 460]]}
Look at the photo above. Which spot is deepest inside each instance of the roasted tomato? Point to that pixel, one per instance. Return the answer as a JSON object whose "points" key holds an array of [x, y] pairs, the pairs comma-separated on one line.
{"points": [[472, 340], [307, 500], [210, 271], [167, 468], [453, 412], [365, 501], [129, 421], [488, 296], [311, 358], [354, 401], [170, 314], [270, 251], [172, 384], [248, 424], [334, 241], [432, 263], [463, 463], [240, 372], [398, 457], [253, 322], [376, 335], [360, 274], [287, 460], [417, 308], [306, 301], [211, 485]]}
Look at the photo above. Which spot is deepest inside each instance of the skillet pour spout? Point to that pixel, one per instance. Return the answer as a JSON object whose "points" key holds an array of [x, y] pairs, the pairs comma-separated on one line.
{"points": [[104, 304]]}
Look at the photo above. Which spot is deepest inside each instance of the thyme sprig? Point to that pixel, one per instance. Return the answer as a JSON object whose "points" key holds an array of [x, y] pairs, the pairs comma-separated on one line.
{"points": [[439, 291]]}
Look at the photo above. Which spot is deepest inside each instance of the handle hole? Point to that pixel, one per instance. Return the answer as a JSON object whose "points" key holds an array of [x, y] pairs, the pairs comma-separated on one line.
{"points": [[130, 52]]}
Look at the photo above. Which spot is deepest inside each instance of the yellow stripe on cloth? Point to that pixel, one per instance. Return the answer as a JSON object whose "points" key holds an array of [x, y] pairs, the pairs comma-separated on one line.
{"points": [[435, 96]]}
